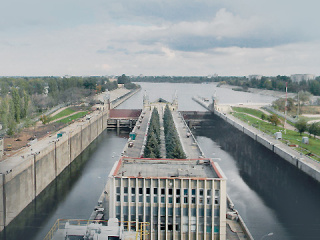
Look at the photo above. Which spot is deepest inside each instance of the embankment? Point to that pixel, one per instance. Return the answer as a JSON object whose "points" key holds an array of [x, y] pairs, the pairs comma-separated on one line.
{"points": [[21, 183], [302, 162]]}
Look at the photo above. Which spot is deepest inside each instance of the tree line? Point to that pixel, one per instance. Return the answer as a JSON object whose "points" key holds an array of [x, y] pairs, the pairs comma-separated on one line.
{"points": [[173, 145], [152, 148], [23, 98]]}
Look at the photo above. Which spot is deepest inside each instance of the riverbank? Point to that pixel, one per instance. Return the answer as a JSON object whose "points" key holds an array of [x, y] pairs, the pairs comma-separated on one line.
{"points": [[26, 174]]}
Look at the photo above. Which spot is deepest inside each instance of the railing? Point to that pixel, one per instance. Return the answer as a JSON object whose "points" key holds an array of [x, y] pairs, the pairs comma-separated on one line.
{"points": [[143, 230]]}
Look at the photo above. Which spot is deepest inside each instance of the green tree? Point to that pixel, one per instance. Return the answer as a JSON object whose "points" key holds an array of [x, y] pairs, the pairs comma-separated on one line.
{"points": [[123, 79], [16, 104], [274, 119], [4, 111], [11, 123], [44, 119], [314, 129], [263, 116], [301, 125]]}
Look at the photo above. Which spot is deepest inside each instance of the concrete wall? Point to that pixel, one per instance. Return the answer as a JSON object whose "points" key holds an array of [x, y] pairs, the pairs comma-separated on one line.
{"points": [[294, 159], [20, 186], [24, 182]]}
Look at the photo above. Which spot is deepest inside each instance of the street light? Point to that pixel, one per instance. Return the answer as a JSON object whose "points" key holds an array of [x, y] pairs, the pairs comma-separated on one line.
{"points": [[267, 235]]}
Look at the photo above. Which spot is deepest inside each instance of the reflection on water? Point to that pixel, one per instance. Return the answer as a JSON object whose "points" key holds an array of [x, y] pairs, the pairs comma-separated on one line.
{"points": [[73, 194], [270, 194]]}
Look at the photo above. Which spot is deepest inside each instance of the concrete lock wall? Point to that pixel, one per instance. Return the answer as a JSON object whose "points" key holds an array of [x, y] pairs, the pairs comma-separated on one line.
{"points": [[24, 182], [265, 142], [273, 146]]}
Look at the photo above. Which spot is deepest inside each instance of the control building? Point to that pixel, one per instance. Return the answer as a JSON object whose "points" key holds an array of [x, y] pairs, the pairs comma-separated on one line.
{"points": [[180, 198]]}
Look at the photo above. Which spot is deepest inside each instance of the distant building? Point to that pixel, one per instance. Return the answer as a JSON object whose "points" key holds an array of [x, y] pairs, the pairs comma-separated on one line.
{"points": [[301, 77], [180, 198], [258, 77]]}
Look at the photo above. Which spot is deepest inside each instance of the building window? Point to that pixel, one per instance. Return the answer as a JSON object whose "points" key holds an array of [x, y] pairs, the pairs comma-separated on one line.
{"points": [[177, 199], [133, 198], [209, 192], [140, 190], [163, 200], [185, 212], [193, 212], [201, 200], [185, 191], [125, 198], [170, 199], [170, 191], [147, 190], [201, 212], [155, 199], [178, 191], [155, 191], [162, 211], [163, 191], [170, 227], [133, 190], [125, 190], [201, 192], [209, 200], [125, 210], [185, 199], [118, 209], [148, 199], [178, 211], [193, 191], [117, 189], [216, 200], [141, 198], [118, 198], [209, 229], [193, 200], [170, 211]]}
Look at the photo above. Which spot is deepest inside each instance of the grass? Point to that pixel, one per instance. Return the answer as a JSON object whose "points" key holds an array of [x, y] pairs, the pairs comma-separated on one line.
{"points": [[250, 111], [63, 113], [73, 117], [291, 137]]}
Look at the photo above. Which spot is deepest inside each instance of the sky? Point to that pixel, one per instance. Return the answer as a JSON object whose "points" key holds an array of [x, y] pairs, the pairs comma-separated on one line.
{"points": [[153, 37]]}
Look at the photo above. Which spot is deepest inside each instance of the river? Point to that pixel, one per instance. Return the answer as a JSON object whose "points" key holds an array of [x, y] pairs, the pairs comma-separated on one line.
{"points": [[270, 194]]}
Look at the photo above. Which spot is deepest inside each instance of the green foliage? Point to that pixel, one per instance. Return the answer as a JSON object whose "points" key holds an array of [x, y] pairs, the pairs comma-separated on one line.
{"points": [[273, 119], [44, 119], [123, 79], [173, 145], [152, 148], [263, 116], [16, 104], [314, 128], [301, 125]]}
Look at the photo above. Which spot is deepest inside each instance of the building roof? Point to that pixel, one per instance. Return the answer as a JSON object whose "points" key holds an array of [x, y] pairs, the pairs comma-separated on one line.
{"points": [[125, 113], [203, 168]]}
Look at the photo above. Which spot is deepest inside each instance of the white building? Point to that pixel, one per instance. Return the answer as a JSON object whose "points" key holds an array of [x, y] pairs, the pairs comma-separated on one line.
{"points": [[301, 77], [180, 198]]}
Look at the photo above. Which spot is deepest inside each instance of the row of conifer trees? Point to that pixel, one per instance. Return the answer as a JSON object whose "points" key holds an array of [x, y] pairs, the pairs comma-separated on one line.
{"points": [[173, 144], [152, 148]]}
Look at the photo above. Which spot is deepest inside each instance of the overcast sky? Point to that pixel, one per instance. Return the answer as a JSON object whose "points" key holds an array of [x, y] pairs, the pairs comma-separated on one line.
{"points": [[153, 37]]}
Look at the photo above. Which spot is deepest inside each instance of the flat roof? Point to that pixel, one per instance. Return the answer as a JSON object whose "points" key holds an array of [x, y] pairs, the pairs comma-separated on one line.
{"points": [[202, 168]]}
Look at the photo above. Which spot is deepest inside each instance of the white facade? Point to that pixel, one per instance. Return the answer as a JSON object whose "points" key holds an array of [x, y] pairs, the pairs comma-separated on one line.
{"points": [[188, 205], [301, 77]]}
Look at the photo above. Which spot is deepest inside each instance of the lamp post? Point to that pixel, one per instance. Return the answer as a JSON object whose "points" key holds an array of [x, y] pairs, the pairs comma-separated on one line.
{"points": [[267, 235]]}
